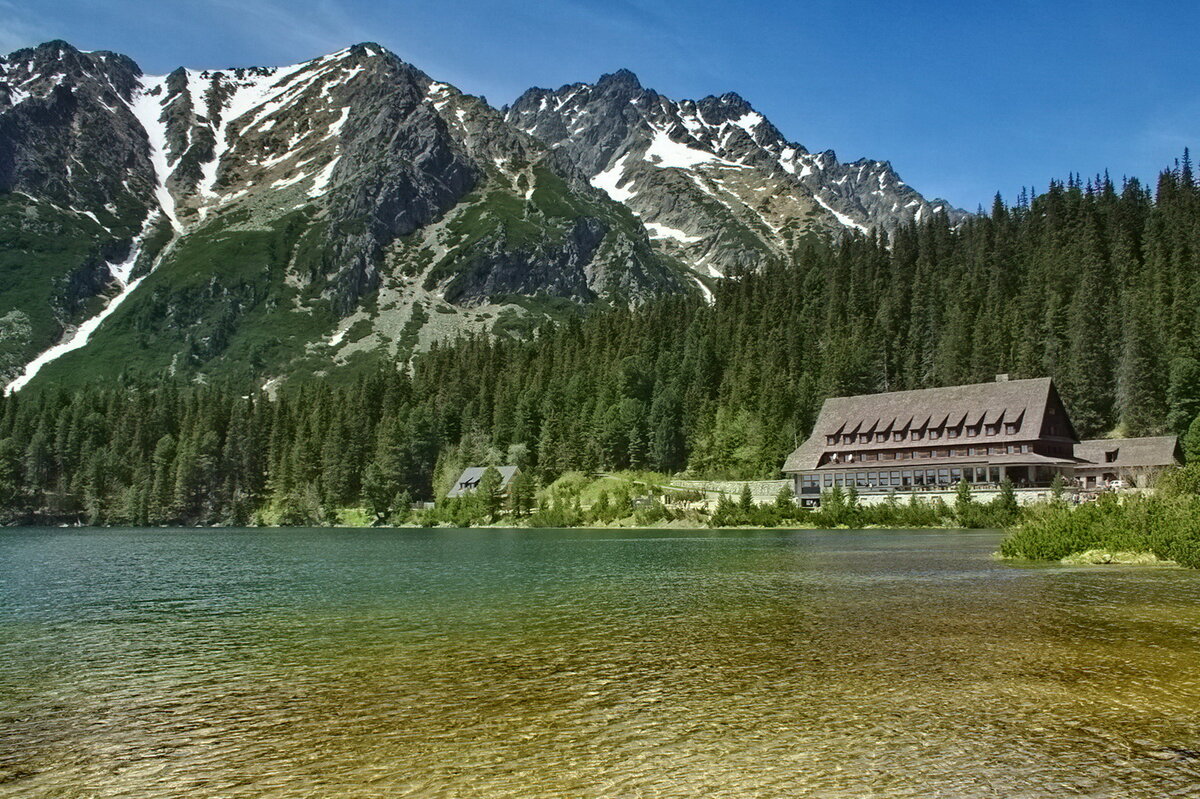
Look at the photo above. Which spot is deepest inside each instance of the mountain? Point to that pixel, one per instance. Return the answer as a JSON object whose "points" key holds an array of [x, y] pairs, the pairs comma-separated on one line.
{"points": [[261, 223], [715, 183]]}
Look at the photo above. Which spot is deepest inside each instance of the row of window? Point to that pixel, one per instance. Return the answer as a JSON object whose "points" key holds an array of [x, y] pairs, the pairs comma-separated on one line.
{"points": [[910, 454], [902, 478], [1011, 428]]}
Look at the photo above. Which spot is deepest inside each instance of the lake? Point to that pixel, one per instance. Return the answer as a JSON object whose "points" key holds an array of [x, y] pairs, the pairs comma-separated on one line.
{"points": [[546, 663]]}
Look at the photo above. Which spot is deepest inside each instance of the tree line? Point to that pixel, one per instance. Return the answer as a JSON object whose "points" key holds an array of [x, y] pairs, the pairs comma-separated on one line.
{"points": [[1091, 283]]}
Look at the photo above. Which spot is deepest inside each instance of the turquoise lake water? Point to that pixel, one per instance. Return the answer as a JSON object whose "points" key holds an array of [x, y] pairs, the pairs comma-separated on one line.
{"points": [[542, 663]]}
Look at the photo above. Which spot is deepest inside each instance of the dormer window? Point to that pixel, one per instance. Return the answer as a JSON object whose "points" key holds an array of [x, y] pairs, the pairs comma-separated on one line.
{"points": [[917, 435], [881, 436], [898, 436], [993, 429], [830, 440], [848, 439], [934, 434], [952, 432], [972, 432], [1011, 429], [863, 438]]}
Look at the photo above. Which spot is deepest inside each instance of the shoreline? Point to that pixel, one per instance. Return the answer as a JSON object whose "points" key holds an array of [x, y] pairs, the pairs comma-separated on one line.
{"points": [[672, 525], [1090, 557]]}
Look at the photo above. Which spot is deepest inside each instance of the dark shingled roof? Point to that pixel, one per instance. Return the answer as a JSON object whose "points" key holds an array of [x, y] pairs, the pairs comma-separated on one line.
{"points": [[1023, 401], [468, 481], [1131, 453]]}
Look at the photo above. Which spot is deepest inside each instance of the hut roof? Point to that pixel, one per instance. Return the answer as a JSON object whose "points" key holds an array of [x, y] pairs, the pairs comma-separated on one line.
{"points": [[468, 481], [1129, 453]]}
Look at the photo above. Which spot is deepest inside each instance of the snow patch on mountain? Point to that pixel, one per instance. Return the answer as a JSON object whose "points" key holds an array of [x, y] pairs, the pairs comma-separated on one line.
{"points": [[17, 96], [749, 121], [610, 180], [252, 89], [658, 231], [146, 105], [439, 94], [121, 273], [666, 153], [321, 182], [843, 218], [335, 128], [290, 181]]}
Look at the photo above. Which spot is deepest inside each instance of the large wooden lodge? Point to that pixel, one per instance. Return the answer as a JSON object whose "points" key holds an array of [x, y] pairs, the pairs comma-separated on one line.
{"points": [[931, 439]]}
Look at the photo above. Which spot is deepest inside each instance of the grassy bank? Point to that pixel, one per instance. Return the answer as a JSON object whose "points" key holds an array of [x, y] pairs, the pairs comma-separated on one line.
{"points": [[647, 500]]}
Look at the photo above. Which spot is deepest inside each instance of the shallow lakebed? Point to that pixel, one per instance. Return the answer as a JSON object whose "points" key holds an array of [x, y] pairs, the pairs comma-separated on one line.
{"points": [[492, 663]]}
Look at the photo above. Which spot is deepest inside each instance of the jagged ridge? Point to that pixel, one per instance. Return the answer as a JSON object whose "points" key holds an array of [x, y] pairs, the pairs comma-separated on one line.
{"points": [[713, 180]]}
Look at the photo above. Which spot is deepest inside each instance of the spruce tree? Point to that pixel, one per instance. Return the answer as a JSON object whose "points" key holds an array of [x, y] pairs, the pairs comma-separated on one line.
{"points": [[1183, 393], [490, 493], [1190, 443], [521, 494]]}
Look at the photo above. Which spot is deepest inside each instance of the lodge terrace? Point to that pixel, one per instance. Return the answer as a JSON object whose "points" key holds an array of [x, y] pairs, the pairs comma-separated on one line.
{"points": [[931, 439]]}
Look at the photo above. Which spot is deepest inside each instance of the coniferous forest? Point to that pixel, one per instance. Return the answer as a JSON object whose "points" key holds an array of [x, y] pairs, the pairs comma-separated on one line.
{"points": [[1092, 283]]}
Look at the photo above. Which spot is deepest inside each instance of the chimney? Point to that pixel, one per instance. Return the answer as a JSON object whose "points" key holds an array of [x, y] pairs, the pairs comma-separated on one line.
{"points": [[1002, 378]]}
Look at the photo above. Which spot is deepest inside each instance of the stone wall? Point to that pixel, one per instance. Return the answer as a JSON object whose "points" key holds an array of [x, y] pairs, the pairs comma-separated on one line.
{"points": [[1025, 496], [762, 491], [765, 491]]}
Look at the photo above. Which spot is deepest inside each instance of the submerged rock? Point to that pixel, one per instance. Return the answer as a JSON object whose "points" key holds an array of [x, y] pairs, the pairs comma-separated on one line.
{"points": [[1096, 557]]}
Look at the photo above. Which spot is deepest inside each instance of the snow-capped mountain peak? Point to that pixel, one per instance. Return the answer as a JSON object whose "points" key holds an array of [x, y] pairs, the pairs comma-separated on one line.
{"points": [[715, 169]]}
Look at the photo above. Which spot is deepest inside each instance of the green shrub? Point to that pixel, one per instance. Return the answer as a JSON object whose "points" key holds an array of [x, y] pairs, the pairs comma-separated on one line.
{"points": [[559, 513], [651, 514], [1184, 481], [1167, 526]]}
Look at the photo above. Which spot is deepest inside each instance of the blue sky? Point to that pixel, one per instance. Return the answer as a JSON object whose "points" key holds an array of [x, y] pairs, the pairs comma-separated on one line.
{"points": [[963, 98]]}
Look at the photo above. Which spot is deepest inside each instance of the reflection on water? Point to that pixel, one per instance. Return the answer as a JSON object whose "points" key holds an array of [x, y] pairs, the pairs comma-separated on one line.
{"points": [[584, 663]]}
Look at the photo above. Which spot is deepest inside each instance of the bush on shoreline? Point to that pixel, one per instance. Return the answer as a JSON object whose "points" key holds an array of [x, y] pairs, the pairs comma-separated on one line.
{"points": [[842, 509], [639, 500], [1167, 525]]}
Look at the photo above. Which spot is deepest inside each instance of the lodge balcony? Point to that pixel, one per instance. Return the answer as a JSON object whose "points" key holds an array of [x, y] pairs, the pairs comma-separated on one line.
{"points": [[1026, 471]]}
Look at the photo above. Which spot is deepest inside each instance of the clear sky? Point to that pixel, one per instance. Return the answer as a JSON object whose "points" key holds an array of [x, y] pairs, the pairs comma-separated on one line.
{"points": [[963, 98]]}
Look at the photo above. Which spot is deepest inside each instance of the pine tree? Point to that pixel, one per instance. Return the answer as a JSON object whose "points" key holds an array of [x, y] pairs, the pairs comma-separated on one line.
{"points": [[10, 477], [746, 502], [377, 491], [490, 493], [1139, 394], [1006, 502], [521, 494], [160, 505], [1183, 393], [1190, 443], [964, 505]]}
